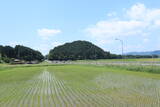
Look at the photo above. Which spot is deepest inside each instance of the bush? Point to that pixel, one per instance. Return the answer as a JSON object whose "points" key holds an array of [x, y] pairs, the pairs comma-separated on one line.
{"points": [[6, 59]]}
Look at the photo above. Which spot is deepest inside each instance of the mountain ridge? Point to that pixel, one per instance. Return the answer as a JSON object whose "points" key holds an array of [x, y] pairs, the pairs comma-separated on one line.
{"points": [[156, 52]]}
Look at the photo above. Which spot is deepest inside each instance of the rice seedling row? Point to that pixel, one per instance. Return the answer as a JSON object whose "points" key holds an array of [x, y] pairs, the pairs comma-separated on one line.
{"points": [[61, 86]]}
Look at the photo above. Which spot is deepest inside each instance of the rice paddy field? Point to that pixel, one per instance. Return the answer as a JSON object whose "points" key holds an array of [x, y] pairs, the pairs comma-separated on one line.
{"points": [[77, 86], [140, 60]]}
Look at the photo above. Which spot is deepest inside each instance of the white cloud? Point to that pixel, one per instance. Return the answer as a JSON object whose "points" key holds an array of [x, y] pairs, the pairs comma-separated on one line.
{"points": [[141, 12], [137, 11], [46, 47], [114, 28], [138, 21], [46, 33], [157, 22]]}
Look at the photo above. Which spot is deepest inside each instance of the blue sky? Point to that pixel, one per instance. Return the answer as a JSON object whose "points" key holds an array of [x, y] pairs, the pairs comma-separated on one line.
{"points": [[44, 24]]}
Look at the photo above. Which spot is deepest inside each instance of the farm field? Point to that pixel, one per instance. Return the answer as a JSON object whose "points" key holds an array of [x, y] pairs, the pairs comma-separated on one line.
{"points": [[127, 60], [77, 86]]}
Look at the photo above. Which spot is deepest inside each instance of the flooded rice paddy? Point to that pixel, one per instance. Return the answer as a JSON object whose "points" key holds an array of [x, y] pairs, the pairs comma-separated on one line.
{"points": [[80, 87]]}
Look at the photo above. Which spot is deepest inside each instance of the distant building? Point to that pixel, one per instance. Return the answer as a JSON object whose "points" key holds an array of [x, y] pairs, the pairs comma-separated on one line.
{"points": [[17, 61], [32, 62]]}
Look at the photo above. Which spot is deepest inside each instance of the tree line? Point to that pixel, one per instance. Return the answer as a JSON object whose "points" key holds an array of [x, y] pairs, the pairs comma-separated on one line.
{"points": [[77, 50], [8, 53]]}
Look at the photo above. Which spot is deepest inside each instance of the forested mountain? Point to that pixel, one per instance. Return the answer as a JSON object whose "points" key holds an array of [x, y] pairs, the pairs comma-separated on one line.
{"points": [[20, 52], [78, 50]]}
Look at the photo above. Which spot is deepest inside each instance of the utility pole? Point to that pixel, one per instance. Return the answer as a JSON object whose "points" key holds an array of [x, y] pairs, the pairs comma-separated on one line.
{"points": [[122, 46]]}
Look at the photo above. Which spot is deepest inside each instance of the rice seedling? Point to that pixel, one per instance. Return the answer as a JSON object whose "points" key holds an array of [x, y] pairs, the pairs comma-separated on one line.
{"points": [[77, 86]]}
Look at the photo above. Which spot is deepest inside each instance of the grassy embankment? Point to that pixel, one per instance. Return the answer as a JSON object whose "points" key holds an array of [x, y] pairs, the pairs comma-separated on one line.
{"points": [[127, 60]]}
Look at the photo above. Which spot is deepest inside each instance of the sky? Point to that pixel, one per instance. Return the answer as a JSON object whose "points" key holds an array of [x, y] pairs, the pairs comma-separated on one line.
{"points": [[44, 24]]}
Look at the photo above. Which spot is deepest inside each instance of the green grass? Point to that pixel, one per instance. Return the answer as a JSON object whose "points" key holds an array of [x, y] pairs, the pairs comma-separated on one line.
{"points": [[44, 85], [137, 68]]}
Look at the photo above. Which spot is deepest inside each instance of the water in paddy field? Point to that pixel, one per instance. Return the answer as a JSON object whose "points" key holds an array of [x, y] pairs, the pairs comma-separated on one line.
{"points": [[110, 90]]}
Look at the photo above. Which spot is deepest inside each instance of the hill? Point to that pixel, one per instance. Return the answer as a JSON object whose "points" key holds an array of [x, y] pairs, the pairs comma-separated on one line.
{"points": [[77, 50], [19, 52]]}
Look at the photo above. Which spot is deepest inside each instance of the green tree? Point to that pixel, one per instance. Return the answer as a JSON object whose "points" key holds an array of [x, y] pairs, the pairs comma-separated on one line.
{"points": [[28, 54]]}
